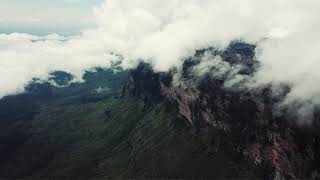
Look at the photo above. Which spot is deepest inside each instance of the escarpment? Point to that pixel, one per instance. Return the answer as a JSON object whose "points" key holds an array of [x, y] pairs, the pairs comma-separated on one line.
{"points": [[241, 122]]}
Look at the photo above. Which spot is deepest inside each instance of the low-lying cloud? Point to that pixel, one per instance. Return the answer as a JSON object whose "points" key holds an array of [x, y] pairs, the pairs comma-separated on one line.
{"points": [[24, 57], [286, 33]]}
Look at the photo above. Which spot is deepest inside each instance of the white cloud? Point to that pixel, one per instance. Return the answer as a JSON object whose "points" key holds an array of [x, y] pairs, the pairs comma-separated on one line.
{"points": [[24, 57], [164, 33]]}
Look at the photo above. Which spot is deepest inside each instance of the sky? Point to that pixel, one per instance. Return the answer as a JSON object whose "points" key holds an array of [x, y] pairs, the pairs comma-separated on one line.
{"points": [[46, 16]]}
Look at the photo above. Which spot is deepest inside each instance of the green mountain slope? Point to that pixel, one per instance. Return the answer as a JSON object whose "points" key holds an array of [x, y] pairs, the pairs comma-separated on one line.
{"points": [[90, 135]]}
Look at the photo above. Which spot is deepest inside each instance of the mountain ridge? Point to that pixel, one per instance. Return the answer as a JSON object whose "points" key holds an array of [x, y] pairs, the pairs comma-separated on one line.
{"points": [[276, 147], [145, 124]]}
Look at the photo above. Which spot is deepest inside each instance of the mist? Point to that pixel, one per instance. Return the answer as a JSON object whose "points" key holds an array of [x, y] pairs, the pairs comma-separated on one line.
{"points": [[286, 33]]}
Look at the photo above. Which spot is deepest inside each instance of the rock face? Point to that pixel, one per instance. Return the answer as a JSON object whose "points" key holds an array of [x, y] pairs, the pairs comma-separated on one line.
{"points": [[237, 121]]}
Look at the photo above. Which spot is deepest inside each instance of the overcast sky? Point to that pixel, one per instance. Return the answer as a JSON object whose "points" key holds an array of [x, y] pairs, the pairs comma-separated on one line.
{"points": [[46, 16]]}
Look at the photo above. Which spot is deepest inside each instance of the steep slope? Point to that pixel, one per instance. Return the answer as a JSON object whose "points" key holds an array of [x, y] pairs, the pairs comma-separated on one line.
{"points": [[149, 126], [75, 133], [239, 122]]}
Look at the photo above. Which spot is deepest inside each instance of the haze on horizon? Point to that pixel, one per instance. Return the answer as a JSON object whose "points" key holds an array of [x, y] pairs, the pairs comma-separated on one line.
{"points": [[42, 17]]}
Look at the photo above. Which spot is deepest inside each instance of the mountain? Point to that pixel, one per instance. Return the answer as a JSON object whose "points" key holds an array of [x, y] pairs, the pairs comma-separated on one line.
{"points": [[142, 124], [241, 122], [93, 130]]}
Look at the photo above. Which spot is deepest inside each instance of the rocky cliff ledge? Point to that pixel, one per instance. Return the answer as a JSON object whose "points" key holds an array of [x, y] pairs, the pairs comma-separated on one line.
{"points": [[241, 122]]}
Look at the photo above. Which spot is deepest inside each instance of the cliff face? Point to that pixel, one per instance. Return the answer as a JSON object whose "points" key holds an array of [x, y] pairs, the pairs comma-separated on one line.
{"points": [[240, 122]]}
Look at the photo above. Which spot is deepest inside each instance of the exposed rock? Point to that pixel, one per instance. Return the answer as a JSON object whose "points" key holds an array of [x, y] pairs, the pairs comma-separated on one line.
{"points": [[238, 121]]}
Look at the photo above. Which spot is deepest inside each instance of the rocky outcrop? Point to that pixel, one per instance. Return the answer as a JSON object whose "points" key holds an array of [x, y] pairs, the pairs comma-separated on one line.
{"points": [[239, 121]]}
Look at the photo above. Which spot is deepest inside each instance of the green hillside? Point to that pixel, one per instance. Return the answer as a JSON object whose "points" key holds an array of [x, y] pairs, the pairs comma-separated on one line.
{"points": [[78, 133]]}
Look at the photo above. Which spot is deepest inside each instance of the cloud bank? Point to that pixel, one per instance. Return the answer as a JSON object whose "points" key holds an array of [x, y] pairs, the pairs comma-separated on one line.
{"points": [[286, 33]]}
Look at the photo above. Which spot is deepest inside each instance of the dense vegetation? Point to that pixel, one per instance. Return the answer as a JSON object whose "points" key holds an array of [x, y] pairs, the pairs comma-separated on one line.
{"points": [[86, 130]]}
